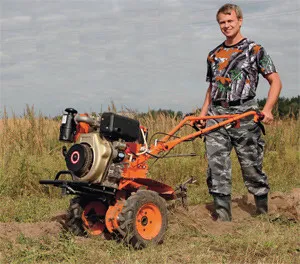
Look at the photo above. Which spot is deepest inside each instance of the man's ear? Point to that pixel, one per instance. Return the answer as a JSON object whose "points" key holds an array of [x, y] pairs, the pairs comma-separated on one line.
{"points": [[240, 22]]}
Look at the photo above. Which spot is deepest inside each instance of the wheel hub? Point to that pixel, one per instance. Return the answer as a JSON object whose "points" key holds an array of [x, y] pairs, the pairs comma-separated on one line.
{"points": [[148, 221], [144, 220]]}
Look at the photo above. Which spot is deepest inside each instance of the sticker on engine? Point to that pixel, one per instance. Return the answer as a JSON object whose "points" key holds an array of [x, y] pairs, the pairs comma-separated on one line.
{"points": [[64, 119]]}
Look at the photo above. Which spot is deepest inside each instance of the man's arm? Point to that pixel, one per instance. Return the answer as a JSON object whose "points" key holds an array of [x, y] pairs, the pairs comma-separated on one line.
{"points": [[205, 105], [207, 102], [274, 91]]}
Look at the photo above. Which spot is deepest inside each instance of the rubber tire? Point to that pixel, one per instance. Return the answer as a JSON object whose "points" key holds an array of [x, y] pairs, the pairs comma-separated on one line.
{"points": [[127, 218], [74, 223]]}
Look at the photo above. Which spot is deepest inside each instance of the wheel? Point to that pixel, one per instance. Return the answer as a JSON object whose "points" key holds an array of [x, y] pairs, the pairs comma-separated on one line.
{"points": [[143, 219], [86, 217], [74, 222]]}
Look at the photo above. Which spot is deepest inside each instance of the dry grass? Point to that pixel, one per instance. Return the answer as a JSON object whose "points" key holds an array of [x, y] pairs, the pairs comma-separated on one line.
{"points": [[30, 151]]}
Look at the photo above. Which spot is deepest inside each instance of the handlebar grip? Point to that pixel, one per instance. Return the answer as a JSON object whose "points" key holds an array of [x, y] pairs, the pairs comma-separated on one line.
{"points": [[258, 117], [261, 116]]}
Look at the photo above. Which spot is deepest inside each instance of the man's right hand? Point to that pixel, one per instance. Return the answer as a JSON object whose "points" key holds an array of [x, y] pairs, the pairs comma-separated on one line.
{"points": [[200, 124]]}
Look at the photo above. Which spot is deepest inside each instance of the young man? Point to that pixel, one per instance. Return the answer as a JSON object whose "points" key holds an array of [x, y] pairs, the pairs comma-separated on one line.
{"points": [[232, 72]]}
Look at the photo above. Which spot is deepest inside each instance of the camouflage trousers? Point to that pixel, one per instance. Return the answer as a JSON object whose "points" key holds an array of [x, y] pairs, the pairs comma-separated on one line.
{"points": [[248, 144]]}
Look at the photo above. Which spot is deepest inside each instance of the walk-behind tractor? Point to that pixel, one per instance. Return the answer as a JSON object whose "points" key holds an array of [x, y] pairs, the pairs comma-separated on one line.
{"points": [[107, 163]]}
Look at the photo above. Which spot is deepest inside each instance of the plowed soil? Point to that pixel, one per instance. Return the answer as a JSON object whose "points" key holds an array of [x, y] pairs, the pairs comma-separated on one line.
{"points": [[281, 205]]}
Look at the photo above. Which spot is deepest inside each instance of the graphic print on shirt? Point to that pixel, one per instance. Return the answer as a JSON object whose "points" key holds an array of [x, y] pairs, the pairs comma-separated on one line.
{"points": [[233, 71]]}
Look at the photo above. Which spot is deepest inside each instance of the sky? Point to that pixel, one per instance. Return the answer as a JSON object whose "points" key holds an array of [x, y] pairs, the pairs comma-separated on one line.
{"points": [[138, 54]]}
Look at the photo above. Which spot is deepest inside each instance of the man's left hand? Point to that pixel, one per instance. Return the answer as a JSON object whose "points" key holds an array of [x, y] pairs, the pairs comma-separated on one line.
{"points": [[268, 117]]}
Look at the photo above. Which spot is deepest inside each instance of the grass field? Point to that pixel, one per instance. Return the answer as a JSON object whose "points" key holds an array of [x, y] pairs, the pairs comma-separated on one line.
{"points": [[30, 214]]}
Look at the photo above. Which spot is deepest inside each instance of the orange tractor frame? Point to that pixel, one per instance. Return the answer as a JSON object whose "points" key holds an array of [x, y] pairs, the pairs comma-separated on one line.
{"points": [[136, 209]]}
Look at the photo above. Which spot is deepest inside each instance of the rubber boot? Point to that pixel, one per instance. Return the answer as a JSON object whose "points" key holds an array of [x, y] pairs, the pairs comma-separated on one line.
{"points": [[261, 203], [222, 207]]}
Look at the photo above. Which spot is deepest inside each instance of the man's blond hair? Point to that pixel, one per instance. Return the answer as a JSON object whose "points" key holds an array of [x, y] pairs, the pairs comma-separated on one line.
{"points": [[227, 9]]}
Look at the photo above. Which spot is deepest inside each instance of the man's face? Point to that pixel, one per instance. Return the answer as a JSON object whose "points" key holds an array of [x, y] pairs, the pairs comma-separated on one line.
{"points": [[229, 24]]}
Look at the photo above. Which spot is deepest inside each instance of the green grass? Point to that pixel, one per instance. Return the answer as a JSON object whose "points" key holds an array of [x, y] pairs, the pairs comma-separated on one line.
{"points": [[256, 242], [32, 208]]}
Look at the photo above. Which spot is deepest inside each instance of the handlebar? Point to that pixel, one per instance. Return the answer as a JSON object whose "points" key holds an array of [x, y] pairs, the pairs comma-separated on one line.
{"points": [[258, 117]]}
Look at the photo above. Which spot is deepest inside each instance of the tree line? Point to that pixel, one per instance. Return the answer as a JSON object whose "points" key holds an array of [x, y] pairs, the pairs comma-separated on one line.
{"points": [[284, 108]]}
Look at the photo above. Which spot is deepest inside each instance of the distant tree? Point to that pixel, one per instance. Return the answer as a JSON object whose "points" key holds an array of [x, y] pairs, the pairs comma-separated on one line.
{"points": [[285, 107]]}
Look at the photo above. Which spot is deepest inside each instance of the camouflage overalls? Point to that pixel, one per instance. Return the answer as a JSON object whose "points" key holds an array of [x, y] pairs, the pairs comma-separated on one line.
{"points": [[233, 72]]}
